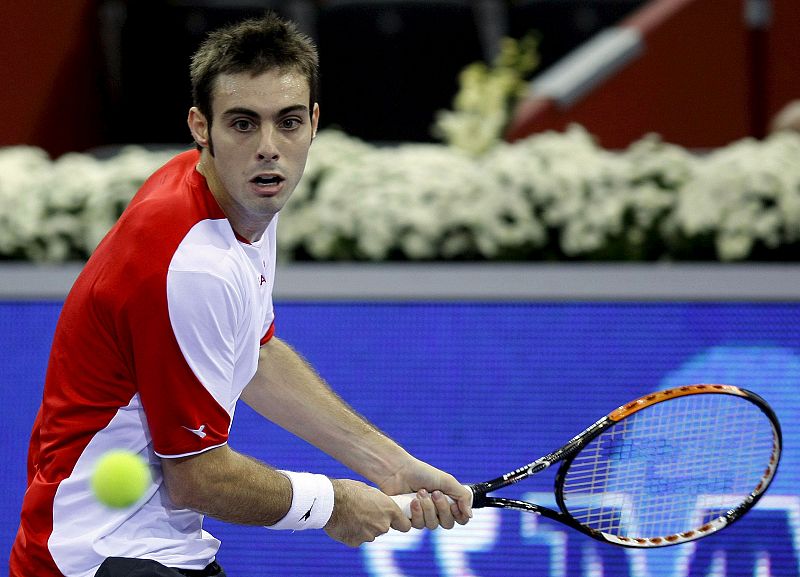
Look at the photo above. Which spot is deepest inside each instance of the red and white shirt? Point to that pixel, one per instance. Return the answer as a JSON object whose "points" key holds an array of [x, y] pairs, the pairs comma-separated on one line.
{"points": [[155, 343]]}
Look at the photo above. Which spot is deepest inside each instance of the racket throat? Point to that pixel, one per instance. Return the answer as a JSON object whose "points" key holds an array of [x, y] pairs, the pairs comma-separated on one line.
{"points": [[479, 498]]}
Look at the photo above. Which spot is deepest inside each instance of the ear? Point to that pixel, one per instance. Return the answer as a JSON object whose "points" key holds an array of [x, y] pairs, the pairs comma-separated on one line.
{"points": [[314, 120], [199, 126]]}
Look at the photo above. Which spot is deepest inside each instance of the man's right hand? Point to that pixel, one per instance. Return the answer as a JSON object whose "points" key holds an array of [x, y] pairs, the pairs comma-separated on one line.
{"points": [[361, 513]]}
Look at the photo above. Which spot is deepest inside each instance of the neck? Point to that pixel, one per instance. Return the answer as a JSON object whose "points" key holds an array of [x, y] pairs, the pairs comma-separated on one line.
{"points": [[250, 231]]}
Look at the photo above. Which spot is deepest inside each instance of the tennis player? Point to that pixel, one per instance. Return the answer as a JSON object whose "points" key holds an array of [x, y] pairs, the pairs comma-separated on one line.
{"points": [[170, 323]]}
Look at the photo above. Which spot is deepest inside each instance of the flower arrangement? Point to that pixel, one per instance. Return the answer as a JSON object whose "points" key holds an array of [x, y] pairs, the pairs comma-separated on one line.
{"points": [[552, 196], [53, 211], [744, 200]]}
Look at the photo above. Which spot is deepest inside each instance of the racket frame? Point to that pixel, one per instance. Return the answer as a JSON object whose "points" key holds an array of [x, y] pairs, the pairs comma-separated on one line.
{"points": [[569, 451]]}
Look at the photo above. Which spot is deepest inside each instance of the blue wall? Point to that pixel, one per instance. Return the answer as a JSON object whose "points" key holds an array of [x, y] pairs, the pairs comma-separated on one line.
{"points": [[478, 389]]}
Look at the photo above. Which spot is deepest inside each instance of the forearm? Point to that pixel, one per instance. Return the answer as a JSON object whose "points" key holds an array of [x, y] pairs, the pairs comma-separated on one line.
{"points": [[233, 488], [287, 391], [228, 486]]}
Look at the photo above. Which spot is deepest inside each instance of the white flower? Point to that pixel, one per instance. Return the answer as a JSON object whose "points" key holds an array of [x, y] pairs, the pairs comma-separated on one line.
{"points": [[408, 201], [59, 210], [552, 195], [24, 181], [746, 196]]}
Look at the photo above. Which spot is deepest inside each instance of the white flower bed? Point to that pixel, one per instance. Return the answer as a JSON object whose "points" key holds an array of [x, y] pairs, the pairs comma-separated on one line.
{"points": [[551, 196]]}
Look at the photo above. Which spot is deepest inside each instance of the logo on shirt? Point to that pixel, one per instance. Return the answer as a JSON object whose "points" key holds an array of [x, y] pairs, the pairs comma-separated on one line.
{"points": [[199, 432], [263, 280]]}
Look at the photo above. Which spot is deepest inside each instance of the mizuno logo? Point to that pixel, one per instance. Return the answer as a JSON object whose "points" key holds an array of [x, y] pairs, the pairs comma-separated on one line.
{"points": [[307, 516], [199, 432]]}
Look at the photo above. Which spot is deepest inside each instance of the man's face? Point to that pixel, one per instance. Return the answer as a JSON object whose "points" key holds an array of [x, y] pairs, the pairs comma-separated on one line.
{"points": [[261, 132]]}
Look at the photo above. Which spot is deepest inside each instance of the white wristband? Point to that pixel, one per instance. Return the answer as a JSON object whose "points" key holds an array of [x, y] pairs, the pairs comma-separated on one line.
{"points": [[312, 502]]}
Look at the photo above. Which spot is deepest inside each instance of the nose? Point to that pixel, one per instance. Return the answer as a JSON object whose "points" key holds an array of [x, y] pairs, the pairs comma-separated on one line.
{"points": [[267, 147]]}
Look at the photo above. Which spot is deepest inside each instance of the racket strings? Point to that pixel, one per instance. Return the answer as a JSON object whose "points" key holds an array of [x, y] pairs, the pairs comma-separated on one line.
{"points": [[671, 467]]}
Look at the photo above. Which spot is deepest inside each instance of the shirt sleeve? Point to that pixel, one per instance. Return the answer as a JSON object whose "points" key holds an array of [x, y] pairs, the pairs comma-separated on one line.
{"points": [[268, 335], [185, 362]]}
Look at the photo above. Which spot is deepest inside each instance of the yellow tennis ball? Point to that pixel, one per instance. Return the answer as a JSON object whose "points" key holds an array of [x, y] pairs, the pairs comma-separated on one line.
{"points": [[120, 479]]}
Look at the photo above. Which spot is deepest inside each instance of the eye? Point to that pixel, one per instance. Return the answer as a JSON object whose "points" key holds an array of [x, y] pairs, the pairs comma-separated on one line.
{"points": [[242, 125], [291, 123]]}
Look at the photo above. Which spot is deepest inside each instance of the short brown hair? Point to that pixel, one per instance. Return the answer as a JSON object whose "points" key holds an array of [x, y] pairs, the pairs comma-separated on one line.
{"points": [[255, 46]]}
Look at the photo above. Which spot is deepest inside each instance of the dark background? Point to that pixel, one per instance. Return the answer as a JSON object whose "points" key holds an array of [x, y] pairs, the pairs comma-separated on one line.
{"points": [[89, 73]]}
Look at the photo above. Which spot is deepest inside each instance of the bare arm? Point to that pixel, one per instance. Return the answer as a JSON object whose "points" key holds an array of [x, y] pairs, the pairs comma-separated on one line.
{"points": [[287, 391], [229, 486], [237, 489]]}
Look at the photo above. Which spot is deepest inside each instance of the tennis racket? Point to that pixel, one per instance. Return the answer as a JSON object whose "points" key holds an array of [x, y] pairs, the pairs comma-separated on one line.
{"points": [[667, 468]]}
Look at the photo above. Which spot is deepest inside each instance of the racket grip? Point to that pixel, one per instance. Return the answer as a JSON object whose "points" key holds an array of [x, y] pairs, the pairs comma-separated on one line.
{"points": [[404, 502]]}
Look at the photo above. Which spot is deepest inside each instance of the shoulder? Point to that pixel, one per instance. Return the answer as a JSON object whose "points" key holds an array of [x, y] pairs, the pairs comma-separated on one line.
{"points": [[162, 220], [176, 193], [167, 207], [172, 173], [209, 249]]}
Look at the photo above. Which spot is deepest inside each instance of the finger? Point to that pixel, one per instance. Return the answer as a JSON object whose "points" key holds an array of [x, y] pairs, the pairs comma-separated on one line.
{"points": [[428, 509], [400, 522], [460, 517], [374, 529], [417, 516], [443, 512], [462, 509]]}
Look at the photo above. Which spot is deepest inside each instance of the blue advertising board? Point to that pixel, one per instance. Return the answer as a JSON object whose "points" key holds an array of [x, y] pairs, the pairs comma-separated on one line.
{"points": [[478, 389]]}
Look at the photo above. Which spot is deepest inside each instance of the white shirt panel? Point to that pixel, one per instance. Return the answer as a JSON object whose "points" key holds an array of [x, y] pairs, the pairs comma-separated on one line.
{"points": [[85, 532], [220, 305]]}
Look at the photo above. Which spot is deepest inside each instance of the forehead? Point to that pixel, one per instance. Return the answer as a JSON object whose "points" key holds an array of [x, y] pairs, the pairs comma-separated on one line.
{"points": [[274, 89]]}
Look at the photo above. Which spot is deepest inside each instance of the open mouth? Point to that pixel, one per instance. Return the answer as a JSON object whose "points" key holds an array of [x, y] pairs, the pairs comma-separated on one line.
{"points": [[267, 180]]}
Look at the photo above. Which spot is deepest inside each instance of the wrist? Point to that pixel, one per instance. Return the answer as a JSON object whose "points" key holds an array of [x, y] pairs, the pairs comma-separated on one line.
{"points": [[384, 463], [312, 502]]}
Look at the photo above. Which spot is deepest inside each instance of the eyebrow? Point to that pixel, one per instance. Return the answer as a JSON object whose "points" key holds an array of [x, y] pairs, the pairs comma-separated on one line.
{"points": [[237, 110]]}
